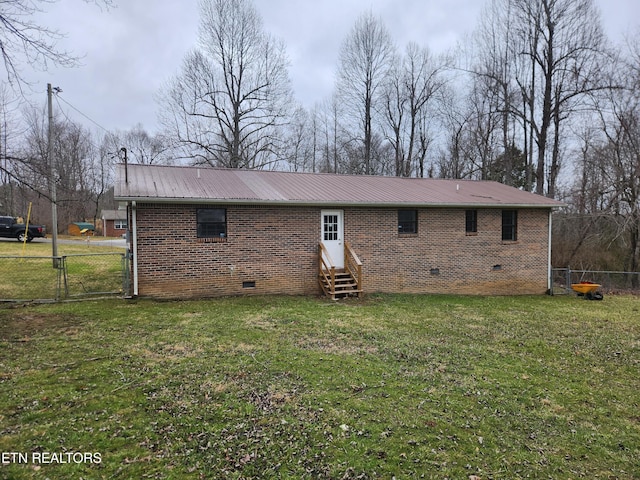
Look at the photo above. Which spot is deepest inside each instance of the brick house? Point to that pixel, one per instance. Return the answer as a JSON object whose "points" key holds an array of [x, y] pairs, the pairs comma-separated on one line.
{"points": [[203, 232], [114, 223]]}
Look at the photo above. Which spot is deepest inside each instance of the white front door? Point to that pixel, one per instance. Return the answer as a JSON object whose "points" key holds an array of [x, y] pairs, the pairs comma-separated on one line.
{"points": [[331, 231]]}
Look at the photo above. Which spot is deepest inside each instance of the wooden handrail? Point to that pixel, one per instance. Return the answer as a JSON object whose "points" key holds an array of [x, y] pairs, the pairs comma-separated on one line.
{"points": [[353, 264], [323, 252], [352, 253], [327, 271], [323, 268]]}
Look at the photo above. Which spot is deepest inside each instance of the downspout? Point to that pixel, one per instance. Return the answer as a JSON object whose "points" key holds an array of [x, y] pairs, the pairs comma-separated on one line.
{"points": [[134, 240], [549, 266]]}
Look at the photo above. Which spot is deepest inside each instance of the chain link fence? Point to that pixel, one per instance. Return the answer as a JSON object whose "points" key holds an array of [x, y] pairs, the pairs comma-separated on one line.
{"points": [[24, 278], [611, 282]]}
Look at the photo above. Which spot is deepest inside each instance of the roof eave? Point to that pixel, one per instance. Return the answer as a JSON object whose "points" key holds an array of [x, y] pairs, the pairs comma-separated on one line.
{"points": [[307, 203]]}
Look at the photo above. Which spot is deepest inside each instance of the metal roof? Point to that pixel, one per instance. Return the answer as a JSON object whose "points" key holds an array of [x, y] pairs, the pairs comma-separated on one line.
{"points": [[169, 184], [113, 215], [83, 225]]}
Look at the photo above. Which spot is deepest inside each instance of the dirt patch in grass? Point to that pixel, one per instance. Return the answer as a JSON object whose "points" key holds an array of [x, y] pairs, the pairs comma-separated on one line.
{"points": [[335, 347], [25, 325], [165, 352]]}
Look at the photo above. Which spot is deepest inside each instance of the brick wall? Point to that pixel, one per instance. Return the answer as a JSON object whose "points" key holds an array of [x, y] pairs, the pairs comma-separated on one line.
{"points": [[111, 231], [442, 258], [276, 247]]}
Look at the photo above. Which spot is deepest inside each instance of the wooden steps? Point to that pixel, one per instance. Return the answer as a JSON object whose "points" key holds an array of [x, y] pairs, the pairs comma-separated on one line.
{"points": [[344, 285], [340, 282]]}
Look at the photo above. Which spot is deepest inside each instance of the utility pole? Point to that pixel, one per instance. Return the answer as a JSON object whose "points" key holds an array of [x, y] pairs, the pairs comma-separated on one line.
{"points": [[52, 182], [126, 166]]}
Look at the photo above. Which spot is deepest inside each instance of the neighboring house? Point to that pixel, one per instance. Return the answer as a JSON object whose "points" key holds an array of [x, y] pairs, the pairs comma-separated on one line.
{"points": [[202, 232], [114, 223]]}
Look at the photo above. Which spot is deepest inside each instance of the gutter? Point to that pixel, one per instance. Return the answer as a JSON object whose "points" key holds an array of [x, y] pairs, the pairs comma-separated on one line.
{"points": [[549, 266], [333, 203]]}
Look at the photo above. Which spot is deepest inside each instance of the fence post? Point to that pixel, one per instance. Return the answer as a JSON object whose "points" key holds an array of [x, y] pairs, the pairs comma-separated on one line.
{"points": [[125, 273], [568, 279], [58, 263]]}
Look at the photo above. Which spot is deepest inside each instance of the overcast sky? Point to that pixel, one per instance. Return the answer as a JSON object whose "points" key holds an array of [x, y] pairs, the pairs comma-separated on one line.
{"points": [[131, 50]]}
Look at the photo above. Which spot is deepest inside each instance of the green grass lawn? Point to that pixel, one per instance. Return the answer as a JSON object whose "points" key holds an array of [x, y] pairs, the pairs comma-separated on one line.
{"points": [[274, 387], [30, 275], [40, 248]]}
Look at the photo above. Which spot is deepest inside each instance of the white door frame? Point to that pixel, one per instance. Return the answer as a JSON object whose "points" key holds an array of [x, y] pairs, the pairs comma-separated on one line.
{"points": [[332, 235]]}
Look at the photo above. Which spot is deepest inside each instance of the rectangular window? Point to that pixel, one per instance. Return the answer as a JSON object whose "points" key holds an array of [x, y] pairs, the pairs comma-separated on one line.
{"points": [[407, 221], [120, 224], [212, 222], [471, 221], [509, 225]]}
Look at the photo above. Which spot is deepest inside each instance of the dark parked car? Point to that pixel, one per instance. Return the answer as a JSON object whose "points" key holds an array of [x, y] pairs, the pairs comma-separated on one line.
{"points": [[10, 228]]}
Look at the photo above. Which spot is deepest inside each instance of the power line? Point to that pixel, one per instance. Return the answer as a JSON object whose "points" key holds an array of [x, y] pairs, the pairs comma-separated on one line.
{"points": [[89, 138], [58, 97]]}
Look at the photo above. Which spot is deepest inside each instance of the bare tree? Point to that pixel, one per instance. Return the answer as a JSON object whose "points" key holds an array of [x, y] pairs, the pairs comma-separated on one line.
{"points": [[24, 40], [395, 112], [538, 62], [454, 158], [604, 209], [482, 131], [563, 43], [297, 150], [622, 155], [10, 133], [102, 175], [365, 62], [141, 147], [424, 78], [327, 138], [493, 92], [72, 153], [227, 105], [413, 84], [578, 230]]}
